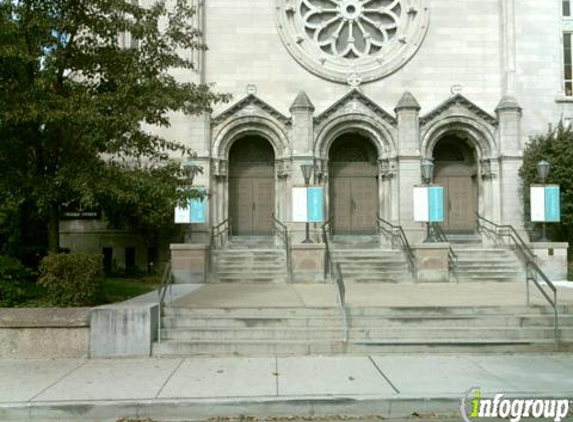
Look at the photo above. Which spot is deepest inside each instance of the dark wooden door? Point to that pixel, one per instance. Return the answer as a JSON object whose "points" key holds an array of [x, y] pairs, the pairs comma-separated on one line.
{"points": [[460, 203], [354, 205], [251, 205]]}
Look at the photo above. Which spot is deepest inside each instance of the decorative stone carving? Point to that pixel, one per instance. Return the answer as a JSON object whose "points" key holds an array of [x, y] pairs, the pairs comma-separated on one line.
{"points": [[352, 41], [284, 168], [487, 172], [220, 168], [321, 170], [387, 169]]}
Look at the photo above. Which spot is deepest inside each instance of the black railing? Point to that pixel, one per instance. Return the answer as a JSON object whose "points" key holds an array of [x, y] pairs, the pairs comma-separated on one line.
{"points": [[166, 282], [335, 272], [220, 233], [532, 270], [441, 237], [281, 231], [395, 234]]}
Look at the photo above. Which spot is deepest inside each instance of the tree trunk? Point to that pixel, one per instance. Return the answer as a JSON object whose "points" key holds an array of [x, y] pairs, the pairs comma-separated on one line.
{"points": [[54, 229]]}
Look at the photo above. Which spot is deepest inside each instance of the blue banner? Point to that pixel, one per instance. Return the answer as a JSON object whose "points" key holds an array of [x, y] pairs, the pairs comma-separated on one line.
{"points": [[315, 204], [436, 204], [552, 204], [198, 208]]}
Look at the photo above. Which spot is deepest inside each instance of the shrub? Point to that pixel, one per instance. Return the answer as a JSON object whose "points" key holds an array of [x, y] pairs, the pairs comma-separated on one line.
{"points": [[72, 279], [12, 273]]}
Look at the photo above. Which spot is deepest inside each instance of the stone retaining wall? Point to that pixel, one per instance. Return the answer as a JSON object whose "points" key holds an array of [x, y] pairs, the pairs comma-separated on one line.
{"points": [[44, 333]]}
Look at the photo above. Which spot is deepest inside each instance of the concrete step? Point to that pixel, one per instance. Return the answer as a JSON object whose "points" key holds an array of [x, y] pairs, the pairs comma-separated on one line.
{"points": [[430, 334], [442, 311], [250, 322], [258, 312], [262, 334], [247, 348], [516, 321]]}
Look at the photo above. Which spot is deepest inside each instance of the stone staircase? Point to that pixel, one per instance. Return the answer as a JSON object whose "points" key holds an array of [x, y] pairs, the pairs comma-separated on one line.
{"points": [[479, 329], [375, 265], [250, 332], [250, 259], [479, 263]]}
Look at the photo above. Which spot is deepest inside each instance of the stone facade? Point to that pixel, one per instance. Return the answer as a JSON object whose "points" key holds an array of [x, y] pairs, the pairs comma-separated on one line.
{"points": [[487, 71]]}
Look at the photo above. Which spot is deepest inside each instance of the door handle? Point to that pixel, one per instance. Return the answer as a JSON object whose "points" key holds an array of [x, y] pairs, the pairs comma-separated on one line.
{"points": [[254, 207]]}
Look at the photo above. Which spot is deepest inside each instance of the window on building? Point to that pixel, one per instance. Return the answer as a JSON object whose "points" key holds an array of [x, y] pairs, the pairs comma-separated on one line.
{"points": [[568, 63], [567, 8], [107, 260], [130, 259]]}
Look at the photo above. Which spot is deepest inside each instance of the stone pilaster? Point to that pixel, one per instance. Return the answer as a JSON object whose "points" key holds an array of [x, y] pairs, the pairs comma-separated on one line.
{"points": [[302, 124], [510, 160], [409, 156]]}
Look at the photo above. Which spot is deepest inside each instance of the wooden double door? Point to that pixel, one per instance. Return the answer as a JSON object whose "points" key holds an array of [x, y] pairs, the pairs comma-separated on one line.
{"points": [[251, 202], [354, 204], [460, 203]]}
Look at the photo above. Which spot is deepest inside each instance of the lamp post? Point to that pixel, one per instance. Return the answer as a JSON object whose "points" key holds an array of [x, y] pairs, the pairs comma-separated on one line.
{"points": [[427, 174], [543, 168], [190, 168], [307, 173]]}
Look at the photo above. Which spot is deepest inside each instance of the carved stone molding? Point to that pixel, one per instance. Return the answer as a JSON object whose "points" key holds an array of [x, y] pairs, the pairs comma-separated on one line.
{"points": [[352, 41], [284, 168], [220, 168], [387, 169], [487, 171]]}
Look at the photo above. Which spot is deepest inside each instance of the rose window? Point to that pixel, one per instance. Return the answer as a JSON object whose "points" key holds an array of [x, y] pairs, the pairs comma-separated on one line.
{"points": [[351, 28], [352, 41]]}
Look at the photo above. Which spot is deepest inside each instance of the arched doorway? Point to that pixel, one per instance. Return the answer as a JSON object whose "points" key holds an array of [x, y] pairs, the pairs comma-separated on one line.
{"points": [[353, 185], [251, 186], [456, 170]]}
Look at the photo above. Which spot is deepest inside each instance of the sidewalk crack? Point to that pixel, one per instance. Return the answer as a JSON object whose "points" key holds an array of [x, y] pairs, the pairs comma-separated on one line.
{"points": [[59, 380], [169, 377], [383, 375]]}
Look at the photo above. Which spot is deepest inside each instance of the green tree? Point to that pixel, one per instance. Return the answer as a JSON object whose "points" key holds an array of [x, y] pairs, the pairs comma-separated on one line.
{"points": [[75, 103], [555, 146]]}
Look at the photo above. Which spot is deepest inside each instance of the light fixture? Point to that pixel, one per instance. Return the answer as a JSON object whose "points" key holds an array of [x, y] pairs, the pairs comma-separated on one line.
{"points": [[307, 172], [427, 170], [543, 168]]}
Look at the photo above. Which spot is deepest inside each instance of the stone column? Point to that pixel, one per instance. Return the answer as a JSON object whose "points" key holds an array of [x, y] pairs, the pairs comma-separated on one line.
{"points": [[409, 156], [510, 160], [302, 140]]}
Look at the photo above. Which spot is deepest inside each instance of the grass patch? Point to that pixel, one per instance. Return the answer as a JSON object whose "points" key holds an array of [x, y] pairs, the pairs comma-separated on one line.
{"points": [[115, 289], [118, 289]]}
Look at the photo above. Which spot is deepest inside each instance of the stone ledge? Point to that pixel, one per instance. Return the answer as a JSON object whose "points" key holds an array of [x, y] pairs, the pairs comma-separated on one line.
{"points": [[45, 317], [431, 245], [188, 246], [308, 246]]}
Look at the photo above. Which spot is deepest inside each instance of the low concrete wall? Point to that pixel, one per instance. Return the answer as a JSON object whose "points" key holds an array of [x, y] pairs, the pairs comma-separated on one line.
{"points": [[552, 258], [432, 262], [189, 262], [44, 333], [123, 330], [308, 262]]}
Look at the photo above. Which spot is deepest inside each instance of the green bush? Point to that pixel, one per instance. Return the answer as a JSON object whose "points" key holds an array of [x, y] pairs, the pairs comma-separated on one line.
{"points": [[12, 274], [72, 279]]}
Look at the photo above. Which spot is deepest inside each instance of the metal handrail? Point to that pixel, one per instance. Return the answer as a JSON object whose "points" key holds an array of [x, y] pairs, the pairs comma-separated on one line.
{"points": [[396, 232], [441, 236], [218, 231], [335, 271], [532, 269], [282, 230], [166, 281], [328, 262]]}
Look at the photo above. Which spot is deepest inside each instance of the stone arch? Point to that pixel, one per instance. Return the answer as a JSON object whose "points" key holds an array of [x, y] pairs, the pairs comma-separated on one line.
{"points": [[378, 133], [475, 133], [250, 125]]}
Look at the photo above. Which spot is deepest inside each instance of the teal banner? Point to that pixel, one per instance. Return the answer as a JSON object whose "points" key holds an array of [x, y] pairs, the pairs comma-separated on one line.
{"points": [[315, 204], [436, 204], [198, 208], [552, 204]]}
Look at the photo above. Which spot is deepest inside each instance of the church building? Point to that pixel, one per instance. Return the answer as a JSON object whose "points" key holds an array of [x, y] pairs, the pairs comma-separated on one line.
{"points": [[365, 91]]}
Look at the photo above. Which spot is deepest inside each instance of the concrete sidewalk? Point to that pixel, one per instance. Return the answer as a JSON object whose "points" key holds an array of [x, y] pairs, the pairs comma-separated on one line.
{"points": [[391, 386]]}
